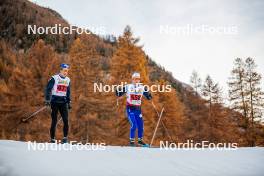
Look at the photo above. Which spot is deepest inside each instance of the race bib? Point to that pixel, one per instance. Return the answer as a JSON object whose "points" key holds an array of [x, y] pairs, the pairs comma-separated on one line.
{"points": [[61, 88], [135, 99], [60, 85]]}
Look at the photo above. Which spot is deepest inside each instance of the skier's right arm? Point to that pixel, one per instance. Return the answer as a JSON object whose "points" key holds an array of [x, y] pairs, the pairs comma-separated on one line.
{"points": [[120, 91], [48, 89]]}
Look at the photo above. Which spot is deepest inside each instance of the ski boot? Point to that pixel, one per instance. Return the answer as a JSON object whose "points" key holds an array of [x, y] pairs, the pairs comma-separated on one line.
{"points": [[141, 143], [132, 143], [53, 141], [64, 140]]}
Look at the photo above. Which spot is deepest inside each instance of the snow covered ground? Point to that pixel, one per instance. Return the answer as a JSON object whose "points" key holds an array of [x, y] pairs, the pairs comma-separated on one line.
{"points": [[17, 160]]}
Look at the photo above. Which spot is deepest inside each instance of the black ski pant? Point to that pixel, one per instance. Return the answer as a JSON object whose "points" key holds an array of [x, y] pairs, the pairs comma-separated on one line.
{"points": [[63, 109]]}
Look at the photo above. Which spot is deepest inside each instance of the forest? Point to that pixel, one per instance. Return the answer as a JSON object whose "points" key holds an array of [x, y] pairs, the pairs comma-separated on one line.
{"points": [[193, 111]]}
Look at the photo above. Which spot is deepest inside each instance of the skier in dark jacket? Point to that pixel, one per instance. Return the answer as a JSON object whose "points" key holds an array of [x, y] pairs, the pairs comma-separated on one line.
{"points": [[57, 96], [134, 93]]}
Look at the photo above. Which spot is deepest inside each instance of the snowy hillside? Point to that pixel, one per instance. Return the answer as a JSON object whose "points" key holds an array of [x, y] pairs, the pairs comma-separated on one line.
{"points": [[16, 160]]}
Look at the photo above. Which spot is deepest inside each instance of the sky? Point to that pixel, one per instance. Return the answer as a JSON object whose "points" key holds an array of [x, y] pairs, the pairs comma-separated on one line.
{"points": [[222, 30]]}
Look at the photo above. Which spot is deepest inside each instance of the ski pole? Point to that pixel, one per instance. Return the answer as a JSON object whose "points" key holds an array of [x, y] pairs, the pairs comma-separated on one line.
{"points": [[33, 114], [163, 125], [29, 117], [156, 126], [119, 120]]}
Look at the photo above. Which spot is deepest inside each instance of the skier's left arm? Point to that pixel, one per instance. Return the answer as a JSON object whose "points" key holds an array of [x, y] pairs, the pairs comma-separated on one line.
{"points": [[147, 94], [68, 95]]}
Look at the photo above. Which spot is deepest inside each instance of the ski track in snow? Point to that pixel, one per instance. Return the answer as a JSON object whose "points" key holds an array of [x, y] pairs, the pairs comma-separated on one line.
{"points": [[17, 160]]}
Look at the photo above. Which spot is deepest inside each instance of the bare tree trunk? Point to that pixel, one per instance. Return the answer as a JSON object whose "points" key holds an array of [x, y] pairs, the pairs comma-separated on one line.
{"points": [[252, 131]]}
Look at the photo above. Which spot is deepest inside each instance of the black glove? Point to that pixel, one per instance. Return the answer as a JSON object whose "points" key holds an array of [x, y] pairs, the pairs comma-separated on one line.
{"points": [[47, 102]]}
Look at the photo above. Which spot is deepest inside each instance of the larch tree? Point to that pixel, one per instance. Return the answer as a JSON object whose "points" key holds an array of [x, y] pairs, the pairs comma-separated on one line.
{"points": [[129, 58], [238, 91], [212, 94], [211, 91], [255, 96], [196, 82], [246, 96]]}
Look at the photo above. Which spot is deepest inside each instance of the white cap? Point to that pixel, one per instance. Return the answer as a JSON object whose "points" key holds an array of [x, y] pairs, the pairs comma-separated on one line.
{"points": [[135, 75]]}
